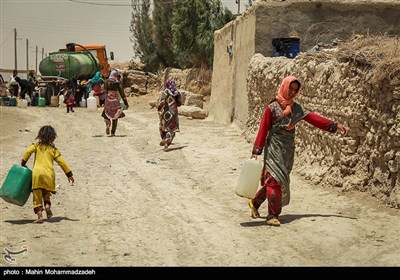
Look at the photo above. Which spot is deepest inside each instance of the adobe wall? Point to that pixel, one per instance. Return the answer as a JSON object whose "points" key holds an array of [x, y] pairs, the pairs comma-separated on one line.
{"points": [[368, 159], [313, 21], [229, 98], [322, 21]]}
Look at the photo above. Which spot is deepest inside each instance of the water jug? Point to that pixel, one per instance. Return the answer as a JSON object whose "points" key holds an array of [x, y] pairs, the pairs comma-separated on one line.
{"points": [[5, 101], [122, 104], [42, 102], [17, 185], [22, 103], [54, 101], [91, 103], [35, 101], [61, 103], [249, 178], [82, 103], [12, 101]]}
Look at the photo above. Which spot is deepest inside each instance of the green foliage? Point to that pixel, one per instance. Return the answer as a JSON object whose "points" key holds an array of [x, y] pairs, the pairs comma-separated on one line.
{"points": [[179, 34], [142, 29], [162, 19], [193, 30]]}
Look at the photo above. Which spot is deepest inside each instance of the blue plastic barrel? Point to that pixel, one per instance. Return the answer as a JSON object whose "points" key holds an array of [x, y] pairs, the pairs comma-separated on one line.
{"points": [[288, 47]]}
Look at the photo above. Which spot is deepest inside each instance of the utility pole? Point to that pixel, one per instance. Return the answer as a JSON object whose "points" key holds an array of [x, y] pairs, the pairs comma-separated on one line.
{"points": [[27, 57], [238, 2], [15, 48], [36, 59], [42, 52]]}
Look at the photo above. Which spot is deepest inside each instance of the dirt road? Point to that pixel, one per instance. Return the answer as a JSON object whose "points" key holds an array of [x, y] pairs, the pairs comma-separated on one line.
{"points": [[135, 205]]}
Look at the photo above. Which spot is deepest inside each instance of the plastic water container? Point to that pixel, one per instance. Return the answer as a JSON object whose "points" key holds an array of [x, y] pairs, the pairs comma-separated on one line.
{"points": [[288, 47], [121, 102], [83, 103], [249, 178], [17, 185], [22, 103], [91, 103], [54, 101], [61, 101], [35, 101], [5, 101], [12, 101], [42, 102]]}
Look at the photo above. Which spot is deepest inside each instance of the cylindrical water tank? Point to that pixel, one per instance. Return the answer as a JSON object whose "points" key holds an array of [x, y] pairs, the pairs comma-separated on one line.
{"points": [[66, 65]]}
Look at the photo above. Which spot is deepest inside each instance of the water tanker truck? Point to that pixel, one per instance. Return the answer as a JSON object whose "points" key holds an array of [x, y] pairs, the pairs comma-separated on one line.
{"points": [[78, 61]]}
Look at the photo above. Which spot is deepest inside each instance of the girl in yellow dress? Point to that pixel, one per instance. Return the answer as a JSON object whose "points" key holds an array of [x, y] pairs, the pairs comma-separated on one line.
{"points": [[43, 176]]}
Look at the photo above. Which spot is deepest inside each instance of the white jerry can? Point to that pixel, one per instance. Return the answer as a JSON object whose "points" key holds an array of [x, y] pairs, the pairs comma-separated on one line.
{"points": [[91, 103], [249, 178]]}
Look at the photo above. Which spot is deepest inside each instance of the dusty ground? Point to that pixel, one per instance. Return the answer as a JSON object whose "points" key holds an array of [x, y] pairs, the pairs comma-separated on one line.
{"points": [[135, 205]]}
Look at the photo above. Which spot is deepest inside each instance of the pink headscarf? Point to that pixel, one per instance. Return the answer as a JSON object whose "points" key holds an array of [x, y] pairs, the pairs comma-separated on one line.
{"points": [[283, 94], [113, 78]]}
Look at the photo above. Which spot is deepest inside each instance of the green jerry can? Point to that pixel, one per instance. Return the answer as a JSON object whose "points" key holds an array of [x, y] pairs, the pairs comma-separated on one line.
{"points": [[42, 102], [121, 102], [17, 186]]}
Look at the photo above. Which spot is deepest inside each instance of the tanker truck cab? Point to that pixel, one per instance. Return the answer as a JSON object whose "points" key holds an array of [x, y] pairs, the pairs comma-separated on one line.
{"points": [[99, 51]]}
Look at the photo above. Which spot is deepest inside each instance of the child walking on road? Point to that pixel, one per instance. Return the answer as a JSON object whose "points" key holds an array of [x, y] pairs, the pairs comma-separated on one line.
{"points": [[43, 176], [69, 100]]}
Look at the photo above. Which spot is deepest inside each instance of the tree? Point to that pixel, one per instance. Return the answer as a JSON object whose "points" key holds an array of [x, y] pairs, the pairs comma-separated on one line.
{"points": [[142, 30], [162, 19], [179, 34], [193, 29]]}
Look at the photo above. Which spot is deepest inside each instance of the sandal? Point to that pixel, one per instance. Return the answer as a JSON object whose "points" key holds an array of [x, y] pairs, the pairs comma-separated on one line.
{"points": [[254, 210], [273, 221]]}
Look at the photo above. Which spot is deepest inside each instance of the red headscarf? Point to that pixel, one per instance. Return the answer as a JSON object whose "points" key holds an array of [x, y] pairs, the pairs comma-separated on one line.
{"points": [[283, 94]]}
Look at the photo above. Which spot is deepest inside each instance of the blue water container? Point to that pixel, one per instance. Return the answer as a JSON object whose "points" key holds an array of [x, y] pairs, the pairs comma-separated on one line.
{"points": [[17, 186], [293, 50], [288, 47], [12, 101]]}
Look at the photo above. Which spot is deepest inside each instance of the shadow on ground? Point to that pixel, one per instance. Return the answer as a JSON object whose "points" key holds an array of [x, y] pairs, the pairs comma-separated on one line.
{"points": [[30, 221], [286, 219]]}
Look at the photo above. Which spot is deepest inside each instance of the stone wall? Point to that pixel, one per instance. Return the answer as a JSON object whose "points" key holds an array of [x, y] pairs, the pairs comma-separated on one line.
{"points": [[314, 21], [321, 21], [368, 159]]}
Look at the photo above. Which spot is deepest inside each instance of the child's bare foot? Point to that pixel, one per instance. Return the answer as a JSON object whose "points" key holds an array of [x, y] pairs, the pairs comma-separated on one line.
{"points": [[49, 214], [39, 219]]}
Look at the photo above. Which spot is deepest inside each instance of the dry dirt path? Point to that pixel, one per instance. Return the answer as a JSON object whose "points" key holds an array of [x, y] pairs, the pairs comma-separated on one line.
{"points": [[135, 205]]}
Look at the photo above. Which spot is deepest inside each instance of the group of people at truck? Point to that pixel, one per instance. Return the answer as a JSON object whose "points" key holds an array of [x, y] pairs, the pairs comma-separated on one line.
{"points": [[73, 89], [23, 88]]}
